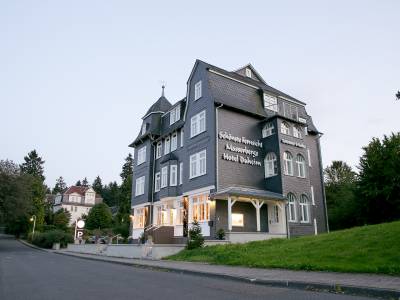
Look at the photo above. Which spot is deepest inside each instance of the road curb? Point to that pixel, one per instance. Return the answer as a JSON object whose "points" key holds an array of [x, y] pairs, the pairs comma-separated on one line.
{"points": [[33, 246], [302, 285]]}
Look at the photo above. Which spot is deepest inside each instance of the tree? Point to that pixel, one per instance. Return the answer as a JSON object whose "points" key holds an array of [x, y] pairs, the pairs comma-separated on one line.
{"points": [[78, 183], [127, 167], [340, 184], [33, 165], [195, 239], [59, 186], [379, 181], [99, 217], [111, 194], [97, 185], [398, 95], [85, 182], [61, 219]]}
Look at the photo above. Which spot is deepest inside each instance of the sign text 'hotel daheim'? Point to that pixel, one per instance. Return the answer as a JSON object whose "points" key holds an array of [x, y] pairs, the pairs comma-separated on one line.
{"points": [[245, 155]]}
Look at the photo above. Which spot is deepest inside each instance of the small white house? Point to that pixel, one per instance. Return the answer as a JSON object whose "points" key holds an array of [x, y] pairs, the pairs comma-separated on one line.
{"points": [[78, 200]]}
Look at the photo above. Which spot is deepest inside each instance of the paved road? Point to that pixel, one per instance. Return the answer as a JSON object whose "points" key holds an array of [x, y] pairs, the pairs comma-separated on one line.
{"points": [[27, 273]]}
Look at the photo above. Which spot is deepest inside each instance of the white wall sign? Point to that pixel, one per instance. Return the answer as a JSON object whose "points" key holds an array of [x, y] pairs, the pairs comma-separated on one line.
{"points": [[287, 142]]}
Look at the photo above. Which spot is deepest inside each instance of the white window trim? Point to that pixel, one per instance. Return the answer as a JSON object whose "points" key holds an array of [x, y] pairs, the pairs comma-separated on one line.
{"points": [[182, 136], [196, 120], [268, 130], [159, 150], [271, 102], [307, 206], [248, 72], [267, 170], [139, 188], [167, 149], [174, 141], [309, 157], [292, 218], [180, 173], [286, 162], [141, 155], [312, 195], [164, 172], [173, 175], [299, 164], [288, 128], [197, 162], [198, 90], [175, 114], [157, 182]]}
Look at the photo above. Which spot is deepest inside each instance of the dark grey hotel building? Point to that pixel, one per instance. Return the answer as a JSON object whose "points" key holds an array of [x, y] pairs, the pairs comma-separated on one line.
{"points": [[235, 154]]}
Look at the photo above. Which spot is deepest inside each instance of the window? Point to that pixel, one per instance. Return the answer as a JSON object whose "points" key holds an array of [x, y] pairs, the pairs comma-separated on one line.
{"points": [[174, 142], [290, 111], [297, 132], [167, 144], [198, 164], [181, 173], [268, 130], [304, 209], [157, 182], [160, 214], [201, 208], [144, 128], [175, 114], [270, 165], [285, 129], [292, 207], [301, 166], [275, 214], [182, 137], [139, 218], [180, 210], [139, 186], [309, 157], [270, 102], [198, 124], [288, 163], [197, 90], [164, 177], [173, 175], [141, 156], [158, 150], [248, 72], [237, 220]]}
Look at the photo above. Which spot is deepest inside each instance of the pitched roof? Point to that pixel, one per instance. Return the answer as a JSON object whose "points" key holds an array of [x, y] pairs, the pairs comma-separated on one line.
{"points": [[161, 105], [81, 190], [242, 191]]}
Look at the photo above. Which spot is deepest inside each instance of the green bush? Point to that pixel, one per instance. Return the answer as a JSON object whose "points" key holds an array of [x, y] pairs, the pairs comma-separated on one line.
{"points": [[196, 239], [220, 234], [48, 238]]}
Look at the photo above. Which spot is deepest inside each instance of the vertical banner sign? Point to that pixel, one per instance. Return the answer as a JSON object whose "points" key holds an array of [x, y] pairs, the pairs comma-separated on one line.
{"points": [[79, 227]]}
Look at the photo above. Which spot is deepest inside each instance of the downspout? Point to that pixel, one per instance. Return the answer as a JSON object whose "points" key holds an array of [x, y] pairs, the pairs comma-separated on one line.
{"points": [[287, 222], [322, 181], [216, 144], [152, 188]]}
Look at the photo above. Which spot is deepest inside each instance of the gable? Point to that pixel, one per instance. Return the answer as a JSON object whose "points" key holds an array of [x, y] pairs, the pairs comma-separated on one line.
{"points": [[250, 72]]}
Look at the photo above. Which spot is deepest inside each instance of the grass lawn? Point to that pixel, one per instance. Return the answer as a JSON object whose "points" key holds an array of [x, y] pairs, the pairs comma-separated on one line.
{"points": [[367, 249]]}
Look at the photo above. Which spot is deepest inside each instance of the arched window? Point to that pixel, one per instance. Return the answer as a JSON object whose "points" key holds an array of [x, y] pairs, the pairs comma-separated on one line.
{"points": [[268, 130], [297, 132], [270, 165], [292, 207], [301, 166], [288, 163], [285, 129], [304, 209]]}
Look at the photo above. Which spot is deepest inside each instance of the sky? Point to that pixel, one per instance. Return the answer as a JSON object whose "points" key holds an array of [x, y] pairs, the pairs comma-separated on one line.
{"points": [[77, 76]]}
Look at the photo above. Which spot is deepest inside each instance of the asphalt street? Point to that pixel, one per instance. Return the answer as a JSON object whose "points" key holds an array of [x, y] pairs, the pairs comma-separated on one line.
{"points": [[27, 273]]}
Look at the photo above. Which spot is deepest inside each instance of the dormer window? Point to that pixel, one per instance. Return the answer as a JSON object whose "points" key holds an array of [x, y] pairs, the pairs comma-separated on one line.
{"points": [[270, 102], [248, 72], [197, 90], [144, 128], [175, 114]]}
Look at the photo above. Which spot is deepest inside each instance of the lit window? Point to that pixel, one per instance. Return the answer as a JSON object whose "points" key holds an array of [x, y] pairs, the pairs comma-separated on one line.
{"points": [[141, 155], [304, 209], [197, 90], [200, 208], [271, 165], [158, 150], [139, 218], [268, 130], [270, 102], [164, 177], [180, 212], [173, 175], [292, 207], [175, 114], [181, 173], [288, 163], [174, 142], [301, 166], [157, 182], [285, 129], [237, 220], [198, 164], [139, 186], [198, 124], [297, 132], [167, 144], [248, 72]]}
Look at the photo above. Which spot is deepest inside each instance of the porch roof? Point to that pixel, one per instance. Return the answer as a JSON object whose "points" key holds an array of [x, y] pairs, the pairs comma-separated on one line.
{"points": [[247, 193]]}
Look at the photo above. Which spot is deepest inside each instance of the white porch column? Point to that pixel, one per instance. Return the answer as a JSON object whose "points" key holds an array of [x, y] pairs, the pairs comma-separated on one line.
{"points": [[257, 204], [230, 204]]}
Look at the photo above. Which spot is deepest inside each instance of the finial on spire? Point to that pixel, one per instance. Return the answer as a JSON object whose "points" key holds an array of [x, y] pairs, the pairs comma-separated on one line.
{"points": [[162, 93]]}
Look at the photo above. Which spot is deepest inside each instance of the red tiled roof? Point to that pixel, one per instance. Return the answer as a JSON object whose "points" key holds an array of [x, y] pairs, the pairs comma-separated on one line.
{"points": [[77, 189]]}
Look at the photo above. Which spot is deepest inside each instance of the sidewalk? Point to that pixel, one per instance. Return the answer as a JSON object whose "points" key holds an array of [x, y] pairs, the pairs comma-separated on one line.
{"points": [[359, 284]]}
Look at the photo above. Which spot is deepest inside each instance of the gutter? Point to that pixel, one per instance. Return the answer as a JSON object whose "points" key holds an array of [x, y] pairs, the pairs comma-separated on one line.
{"points": [[322, 181], [216, 145]]}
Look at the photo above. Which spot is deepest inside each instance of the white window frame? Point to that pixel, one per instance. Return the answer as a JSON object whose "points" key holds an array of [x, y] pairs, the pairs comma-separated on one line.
{"points": [[174, 141], [167, 145], [309, 157], [198, 164], [164, 177], [248, 72], [288, 163], [157, 182], [198, 90], [139, 188], [297, 132], [180, 173], [139, 217], [182, 137], [143, 128], [271, 165], [292, 207], [173, 175], [304, 204], [175, 114], [275, 214], [301, 166], [285, 128], [159, 150], [198, 123], [268, 130], [271, 102], [200, 206], [141, 155], [312, 195]]}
